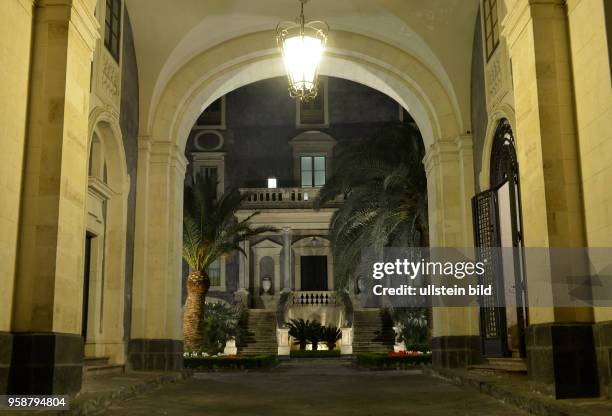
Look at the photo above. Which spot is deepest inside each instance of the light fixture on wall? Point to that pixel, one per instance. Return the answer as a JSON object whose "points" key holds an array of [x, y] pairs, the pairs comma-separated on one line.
{"points": [[272, 182], [302, 44]]}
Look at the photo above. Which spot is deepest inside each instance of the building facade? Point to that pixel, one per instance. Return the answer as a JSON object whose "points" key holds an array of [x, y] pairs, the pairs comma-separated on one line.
{"points": [[281, 152]]}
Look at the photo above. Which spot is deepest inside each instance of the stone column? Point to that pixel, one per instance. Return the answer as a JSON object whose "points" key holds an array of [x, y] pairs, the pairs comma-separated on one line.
{"points": [[47, 306], [156, 334], [450, 187], [242, 294], [560, 349], [287, 259]]}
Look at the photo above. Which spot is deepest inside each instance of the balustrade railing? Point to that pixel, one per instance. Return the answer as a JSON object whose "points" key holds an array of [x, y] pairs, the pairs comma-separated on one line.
{"points": [[282, 196], [314, 298]]}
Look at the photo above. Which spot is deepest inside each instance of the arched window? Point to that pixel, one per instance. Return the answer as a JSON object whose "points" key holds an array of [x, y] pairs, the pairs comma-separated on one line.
{"points": [[504, 165]]}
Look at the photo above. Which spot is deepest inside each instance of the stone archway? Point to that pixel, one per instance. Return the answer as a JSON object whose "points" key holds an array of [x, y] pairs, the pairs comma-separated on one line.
{"points": [[251, 58], [248, 59]]}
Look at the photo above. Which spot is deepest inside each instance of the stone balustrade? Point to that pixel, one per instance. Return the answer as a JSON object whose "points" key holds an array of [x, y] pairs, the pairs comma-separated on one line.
{"points": [[283, 197], [314, 298]]}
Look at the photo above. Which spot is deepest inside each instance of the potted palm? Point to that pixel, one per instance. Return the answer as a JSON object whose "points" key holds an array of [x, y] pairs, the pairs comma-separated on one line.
{"points": [[330, 335], [210, 231], [303, 332]]}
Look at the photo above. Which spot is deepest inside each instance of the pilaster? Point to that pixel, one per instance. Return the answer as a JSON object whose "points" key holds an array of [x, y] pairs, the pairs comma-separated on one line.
{"points": [[156, 332], [560, 347], [287, 259], [48, 348], [450, 179], [242, 292]]}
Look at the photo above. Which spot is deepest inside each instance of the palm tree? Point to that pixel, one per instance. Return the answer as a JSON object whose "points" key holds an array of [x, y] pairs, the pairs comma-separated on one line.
{"points": [[330, 335], [385, 188], [210, 231]]}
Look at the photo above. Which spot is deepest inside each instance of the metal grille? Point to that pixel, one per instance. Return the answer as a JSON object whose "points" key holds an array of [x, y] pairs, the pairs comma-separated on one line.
{"points": [[487, 240]]}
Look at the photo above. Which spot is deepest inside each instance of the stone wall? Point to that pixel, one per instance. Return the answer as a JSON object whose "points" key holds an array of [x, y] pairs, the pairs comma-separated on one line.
{"points": [[478, 102], [129, 130], [261, 120]]}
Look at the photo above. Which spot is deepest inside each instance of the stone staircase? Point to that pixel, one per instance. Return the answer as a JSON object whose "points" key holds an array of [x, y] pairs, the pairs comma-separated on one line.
{"points": [[372, 331], [515, 366], [260, 326], [99, 366]]}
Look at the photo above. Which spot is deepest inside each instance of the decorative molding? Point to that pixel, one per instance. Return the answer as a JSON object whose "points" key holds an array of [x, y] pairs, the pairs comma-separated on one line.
{"points": [[110, 78], [99, 189], [314, 241], [298, 110], [76, 12], [266, 244], [296, 219], [309, 247], [494, 76], [201, 133], [500, 112]]}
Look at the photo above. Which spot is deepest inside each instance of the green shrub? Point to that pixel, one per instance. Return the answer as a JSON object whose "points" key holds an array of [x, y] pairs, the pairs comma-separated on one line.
{"points": [[413, 325], [314, 354], [423, 347], [391, 362], [221, 323], [246, 362], [304, 331], [330, 335]]}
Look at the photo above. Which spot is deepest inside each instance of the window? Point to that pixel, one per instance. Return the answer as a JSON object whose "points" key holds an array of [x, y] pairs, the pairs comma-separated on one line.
{"points": [[214, 115], [211, 173], [214, 273], [491, 26], [314, 112], [313, 171], [112, 27], [210, 165]]}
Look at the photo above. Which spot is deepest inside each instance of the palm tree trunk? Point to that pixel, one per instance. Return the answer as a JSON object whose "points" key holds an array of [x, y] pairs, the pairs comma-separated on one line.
{"points": [[193, 317]]}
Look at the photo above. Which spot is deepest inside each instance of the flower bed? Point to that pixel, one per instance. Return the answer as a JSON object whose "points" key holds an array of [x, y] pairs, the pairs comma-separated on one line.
{"points": [[393, 360], [228, 362], [314, 354]]}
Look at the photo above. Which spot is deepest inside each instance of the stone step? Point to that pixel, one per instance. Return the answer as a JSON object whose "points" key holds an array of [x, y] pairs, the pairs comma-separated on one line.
{"points": [[260, 326], [91, 371], [95, 361], [502, 365]]}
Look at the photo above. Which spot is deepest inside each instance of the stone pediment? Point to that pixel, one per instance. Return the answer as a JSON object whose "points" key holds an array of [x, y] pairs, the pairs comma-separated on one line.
{"points": [[266, 243]]}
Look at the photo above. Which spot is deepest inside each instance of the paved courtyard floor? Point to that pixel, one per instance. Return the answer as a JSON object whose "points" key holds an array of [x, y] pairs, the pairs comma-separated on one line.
{"points": [[313, 388]]}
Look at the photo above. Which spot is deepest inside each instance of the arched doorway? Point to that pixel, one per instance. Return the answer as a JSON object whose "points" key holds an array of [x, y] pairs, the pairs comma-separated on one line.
{"points": [[105, 242], [498, 235]]}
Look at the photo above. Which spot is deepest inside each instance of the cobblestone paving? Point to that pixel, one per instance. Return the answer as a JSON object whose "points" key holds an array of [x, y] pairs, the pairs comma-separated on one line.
{"points": [[313, 388]]}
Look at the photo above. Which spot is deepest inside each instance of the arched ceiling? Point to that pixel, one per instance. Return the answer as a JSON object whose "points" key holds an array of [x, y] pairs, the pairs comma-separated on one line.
{"points": [[169, 33]]}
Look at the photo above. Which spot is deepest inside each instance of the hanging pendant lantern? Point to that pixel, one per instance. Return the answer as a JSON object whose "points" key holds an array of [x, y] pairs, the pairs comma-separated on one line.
{"points": [[302, 44]]}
